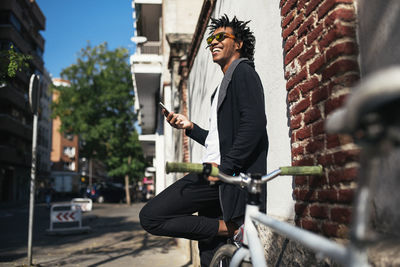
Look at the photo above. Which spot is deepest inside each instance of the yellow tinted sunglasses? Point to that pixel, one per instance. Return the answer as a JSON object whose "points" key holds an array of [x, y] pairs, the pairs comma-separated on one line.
{"points": [[219, 37]]}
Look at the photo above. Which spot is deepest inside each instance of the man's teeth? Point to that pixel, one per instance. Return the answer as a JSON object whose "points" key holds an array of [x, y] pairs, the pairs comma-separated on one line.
{"points": [[216, 49]]}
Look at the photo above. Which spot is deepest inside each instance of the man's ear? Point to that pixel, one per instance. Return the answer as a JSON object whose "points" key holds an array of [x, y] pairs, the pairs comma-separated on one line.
{"points": [[239, 45]]}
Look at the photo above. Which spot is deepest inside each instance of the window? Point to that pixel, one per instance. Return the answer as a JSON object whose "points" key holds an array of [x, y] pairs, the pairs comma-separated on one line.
{"points": [[69, 151]]}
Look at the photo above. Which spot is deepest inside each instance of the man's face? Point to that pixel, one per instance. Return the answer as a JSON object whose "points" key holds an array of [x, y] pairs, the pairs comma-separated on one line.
{"points": [[226, 51]]}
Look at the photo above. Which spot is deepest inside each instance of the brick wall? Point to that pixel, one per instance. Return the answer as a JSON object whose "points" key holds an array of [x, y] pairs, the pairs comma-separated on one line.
{"points": [[320, 58]]}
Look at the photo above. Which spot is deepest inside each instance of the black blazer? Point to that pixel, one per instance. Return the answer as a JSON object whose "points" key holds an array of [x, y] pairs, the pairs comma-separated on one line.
{"points": [[242, 132]]}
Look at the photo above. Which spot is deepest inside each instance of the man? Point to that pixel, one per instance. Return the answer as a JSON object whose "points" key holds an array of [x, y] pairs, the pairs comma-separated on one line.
{"points": [[235, 142]]}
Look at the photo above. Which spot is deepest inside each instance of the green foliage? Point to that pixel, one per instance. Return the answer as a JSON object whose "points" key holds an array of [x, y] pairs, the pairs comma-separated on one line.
{"points": [[11, 62], [98, 106]]}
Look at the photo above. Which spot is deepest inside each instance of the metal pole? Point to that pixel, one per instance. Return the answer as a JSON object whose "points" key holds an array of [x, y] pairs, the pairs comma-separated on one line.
{"points": [[32, 193]]}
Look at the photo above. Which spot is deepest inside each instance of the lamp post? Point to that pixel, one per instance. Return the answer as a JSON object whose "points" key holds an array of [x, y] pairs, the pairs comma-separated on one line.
{"points": [[34, 87]]}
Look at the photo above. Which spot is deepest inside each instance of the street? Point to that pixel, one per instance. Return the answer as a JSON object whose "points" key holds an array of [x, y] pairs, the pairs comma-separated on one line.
{"points": [[116, 239]]}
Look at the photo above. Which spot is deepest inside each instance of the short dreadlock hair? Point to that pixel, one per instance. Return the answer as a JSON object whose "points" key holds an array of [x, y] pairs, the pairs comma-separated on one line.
{"points": [[240, 30]]}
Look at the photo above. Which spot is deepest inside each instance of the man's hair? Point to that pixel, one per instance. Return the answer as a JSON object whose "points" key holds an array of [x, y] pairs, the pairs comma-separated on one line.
{"points": [[240, 30]]}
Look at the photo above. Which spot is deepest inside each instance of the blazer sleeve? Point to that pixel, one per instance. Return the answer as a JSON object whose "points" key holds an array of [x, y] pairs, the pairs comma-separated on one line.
{"points": [[248, 90], [198, 134]]}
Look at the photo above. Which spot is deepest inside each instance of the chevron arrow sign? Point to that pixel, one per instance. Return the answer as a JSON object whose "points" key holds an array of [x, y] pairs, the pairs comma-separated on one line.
{"points": [[66, 216]]}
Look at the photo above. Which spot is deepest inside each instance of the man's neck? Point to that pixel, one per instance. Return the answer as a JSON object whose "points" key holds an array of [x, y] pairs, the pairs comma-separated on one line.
{"points": [[225, 67]]}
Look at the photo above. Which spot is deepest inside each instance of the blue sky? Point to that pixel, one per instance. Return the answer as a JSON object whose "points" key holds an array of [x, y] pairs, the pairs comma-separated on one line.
{"points": [[70, 24]]}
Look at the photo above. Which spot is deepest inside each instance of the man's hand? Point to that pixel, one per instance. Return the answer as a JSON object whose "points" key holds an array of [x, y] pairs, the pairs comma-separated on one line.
{"points": [[213, 178], [179, 121]]}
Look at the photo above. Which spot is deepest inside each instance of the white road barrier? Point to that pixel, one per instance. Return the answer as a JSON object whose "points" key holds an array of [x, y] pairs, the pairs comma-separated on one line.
{"points": [[70, 215], [86, 204]]}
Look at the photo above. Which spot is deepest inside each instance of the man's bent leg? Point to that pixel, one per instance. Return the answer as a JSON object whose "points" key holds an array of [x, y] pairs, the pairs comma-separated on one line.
{"points": [[170, 212]]}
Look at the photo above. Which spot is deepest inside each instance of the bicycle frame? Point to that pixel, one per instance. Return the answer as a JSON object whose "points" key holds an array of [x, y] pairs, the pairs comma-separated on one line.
{"points": [[345, 255]]}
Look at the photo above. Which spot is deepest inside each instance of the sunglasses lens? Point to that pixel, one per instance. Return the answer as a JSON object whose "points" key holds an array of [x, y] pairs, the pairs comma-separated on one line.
{"points": [[220, 36], [210, 39]]}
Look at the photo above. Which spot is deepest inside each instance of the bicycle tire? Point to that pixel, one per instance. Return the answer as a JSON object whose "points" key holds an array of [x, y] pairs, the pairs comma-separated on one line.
{"points": [[224, 255]]}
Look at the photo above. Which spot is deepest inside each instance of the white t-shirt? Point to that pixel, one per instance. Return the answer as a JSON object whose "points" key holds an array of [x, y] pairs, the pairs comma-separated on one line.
{"points": [[212, 153]]}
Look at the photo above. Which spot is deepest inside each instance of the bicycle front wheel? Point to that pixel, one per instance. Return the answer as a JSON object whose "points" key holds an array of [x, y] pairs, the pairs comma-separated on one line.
{"points": [[223, 256]]}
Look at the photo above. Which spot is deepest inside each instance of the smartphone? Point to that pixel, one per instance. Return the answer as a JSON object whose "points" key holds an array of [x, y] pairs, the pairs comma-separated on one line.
{"points": [[166, 110]]}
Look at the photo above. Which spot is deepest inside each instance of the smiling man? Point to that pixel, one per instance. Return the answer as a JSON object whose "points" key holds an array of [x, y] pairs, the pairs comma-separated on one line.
{"points": [[235, 142]]}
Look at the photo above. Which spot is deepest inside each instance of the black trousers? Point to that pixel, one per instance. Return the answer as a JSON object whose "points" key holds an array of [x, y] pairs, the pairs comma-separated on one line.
{"points": [[170, 213]]}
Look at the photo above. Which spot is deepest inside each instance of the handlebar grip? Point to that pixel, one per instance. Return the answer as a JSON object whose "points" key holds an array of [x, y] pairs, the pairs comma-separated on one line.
{"points": [[302, 170], [188, 167]]}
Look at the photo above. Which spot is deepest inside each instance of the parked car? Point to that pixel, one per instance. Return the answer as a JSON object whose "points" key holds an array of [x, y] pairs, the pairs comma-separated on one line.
{"points": [[106, 192]]}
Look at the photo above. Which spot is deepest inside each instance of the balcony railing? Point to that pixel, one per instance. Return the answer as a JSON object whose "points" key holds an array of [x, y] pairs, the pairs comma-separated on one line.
{"points": [[153, 48]]}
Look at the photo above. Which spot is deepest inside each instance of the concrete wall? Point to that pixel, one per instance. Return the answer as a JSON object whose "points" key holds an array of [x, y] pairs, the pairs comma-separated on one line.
{"points": [[379, 36], [206, 75]]}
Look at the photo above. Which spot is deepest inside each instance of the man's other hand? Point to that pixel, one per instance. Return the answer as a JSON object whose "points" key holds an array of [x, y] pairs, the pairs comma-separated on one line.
{"points": [[213, 178]]}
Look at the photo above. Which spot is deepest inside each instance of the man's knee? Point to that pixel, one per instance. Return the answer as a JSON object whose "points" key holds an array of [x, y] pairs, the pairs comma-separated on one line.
{"points": [[148, 220]]}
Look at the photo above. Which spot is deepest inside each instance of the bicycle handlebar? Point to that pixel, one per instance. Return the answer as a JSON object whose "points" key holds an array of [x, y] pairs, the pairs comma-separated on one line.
{"points": [[188, 167], [198, 168]]}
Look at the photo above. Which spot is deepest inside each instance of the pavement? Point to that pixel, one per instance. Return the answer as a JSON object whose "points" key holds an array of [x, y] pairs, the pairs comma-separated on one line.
{"points": [[116, 239]]}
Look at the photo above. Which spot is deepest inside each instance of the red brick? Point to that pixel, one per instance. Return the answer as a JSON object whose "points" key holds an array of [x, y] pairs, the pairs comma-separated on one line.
{"points": [[288, 18], [296, 79], [328, 5], [308, 85], [347, 48], [295, 123], [305, 27], [343, 157], [330, 229], [339, 176], [315, 146], [303, 133], [316, 181], [290, 42], [294, 52], [325, 160], [338, 67], [310, 53], [347, 80], [332, 140], [327, 195], [300, 106], [341, 214], [342, 14], [318, 128], [301, 209], [310, 225], [292, 26], [346, 196], [338, 31], [287, 6], [297, 151], [319, 211], [312, 115], [317, 64], [319, 94], [293, 95], [314, 34], [334, 103], [301, 4], [311, 6], [303, 162]]}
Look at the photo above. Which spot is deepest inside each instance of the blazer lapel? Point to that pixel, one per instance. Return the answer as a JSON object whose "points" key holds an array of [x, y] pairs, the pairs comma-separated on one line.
{"points": [[227, 79]]}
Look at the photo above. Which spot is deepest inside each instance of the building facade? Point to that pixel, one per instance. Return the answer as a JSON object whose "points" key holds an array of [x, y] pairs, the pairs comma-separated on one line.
{"points": [[308, 55], [20, 26]]}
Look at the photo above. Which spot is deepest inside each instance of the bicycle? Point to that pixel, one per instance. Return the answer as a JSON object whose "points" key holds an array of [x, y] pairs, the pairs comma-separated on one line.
{"points": [[368, 117]]}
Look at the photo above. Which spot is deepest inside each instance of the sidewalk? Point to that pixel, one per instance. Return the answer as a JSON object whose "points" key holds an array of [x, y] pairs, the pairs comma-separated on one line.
{"points": [[116, 239]]}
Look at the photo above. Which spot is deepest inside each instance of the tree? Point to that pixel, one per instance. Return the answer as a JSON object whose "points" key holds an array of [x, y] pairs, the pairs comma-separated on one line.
{"points": [[11, 62], [98, 106]]}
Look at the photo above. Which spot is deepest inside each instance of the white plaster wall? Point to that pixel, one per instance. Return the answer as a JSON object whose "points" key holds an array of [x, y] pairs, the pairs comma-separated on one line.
{"points": [[205, 76]]}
